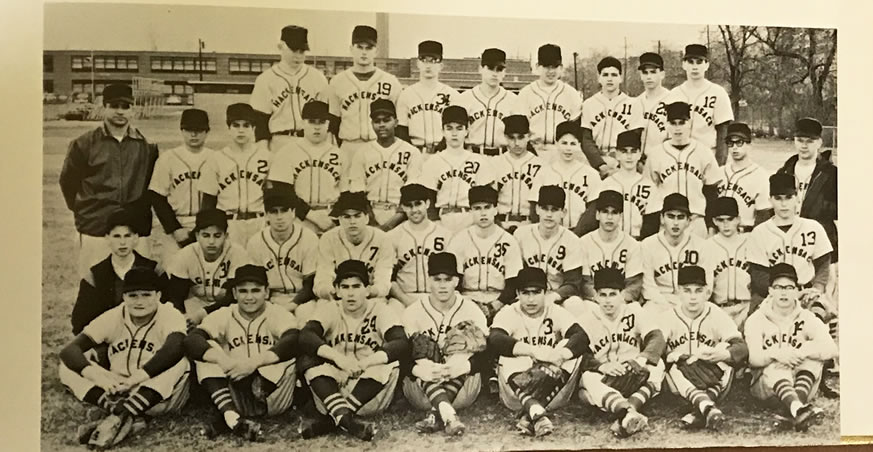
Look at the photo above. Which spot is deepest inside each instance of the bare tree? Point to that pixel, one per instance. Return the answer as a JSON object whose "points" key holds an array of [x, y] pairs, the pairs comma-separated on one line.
{"points": [[739, 43]]}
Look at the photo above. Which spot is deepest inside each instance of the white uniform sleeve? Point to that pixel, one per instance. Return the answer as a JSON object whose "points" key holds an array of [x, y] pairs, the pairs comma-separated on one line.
{"points": [[160, 182], [100, 328], [403, 109], [723, 112], [634, 263], [712, 174], [260, 98], [822, 243]]}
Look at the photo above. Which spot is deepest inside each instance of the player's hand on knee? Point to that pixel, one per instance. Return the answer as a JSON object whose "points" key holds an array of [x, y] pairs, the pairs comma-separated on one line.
{"points": [[242, 368], [428, 371], [349, 365], [612, 369], [673, 356], [455, 368], [181, 235], [193, 318]]}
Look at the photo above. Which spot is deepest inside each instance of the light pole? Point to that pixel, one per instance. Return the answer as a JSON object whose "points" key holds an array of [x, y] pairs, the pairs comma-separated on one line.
{"points": [[575, 71], [200, 46]]}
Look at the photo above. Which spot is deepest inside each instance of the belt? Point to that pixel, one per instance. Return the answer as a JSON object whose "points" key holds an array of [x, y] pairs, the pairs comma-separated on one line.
{"points": [[384, 205], [729, 303], [486, 150], [453, 209], [324, 207], [295, 133], [244, 215], [511, 217], [743, 228], [426, 148]]}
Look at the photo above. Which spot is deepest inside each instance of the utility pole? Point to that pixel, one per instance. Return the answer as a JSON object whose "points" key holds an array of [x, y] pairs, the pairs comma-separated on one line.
{"points": [[200, 46], [575, 71], [659, 47], [624, 72], [93, 99]]}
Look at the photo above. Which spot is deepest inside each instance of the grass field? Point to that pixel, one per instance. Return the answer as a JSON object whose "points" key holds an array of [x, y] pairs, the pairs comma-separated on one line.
{"points": [[489, 423]]}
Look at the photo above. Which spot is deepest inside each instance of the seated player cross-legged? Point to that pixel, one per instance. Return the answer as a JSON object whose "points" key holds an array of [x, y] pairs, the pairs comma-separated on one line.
{"points": [[351, 351], [147, 373], [626, 370], [788, 366], [539, 345], [244, 356]]}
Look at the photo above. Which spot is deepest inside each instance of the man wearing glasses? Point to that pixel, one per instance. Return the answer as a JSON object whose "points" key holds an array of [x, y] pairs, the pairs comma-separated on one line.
{"points": [[106, 170], [744, 180]]}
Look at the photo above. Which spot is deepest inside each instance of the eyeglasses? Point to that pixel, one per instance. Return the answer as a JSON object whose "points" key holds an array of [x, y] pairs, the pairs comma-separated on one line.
{"points": [[119, 105], [735, 143], [785, 287]]}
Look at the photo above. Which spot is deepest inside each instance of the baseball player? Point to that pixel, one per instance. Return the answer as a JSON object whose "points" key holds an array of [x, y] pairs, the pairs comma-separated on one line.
{"points": [[232, 179], [414, 241], [352, 91], [788, 366], [729, 247], [698, 330], [281, 91], [350, 357], [535, 331], [610, 247], [146, 372], [442, 388], [245, 355], [514, 173], [624, 339], [651, 101], [580, 182], [608, 112], [743, 179], [548, 101], [666, 252], [313, 168], [710, 103], [554, 249], [452, 172], [173, 188], [487, 254], [641, 204], [420, 105], [487, 104], [199, 271], [682, 165], [381, 167], [289, 252]]}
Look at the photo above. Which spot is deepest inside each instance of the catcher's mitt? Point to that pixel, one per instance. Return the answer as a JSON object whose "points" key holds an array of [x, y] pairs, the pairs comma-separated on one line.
{"points": [[635, 377], [541, 381], [464, 337], [111, 431], [813, 300], [424, 347], [702, 374]]}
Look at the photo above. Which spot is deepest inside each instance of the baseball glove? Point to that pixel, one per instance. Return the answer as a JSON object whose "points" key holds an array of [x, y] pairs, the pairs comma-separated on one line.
{"points": [[541, 381], [464, 337], [702, 374], [635, 377], [813, 300], [424, 347], [111, 431]]}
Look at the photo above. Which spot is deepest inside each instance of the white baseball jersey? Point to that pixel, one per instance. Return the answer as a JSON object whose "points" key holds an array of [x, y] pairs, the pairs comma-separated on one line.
{"points": [[236, 178], [661, 263], [623, 253], [710, 106], [422, 317], [685, 172], [242, 338], [620, 339], [374, 250], [555, 255], [731, 280], [608, 117], [548, 329], [208, 277], [804, 242], [131, 346], [175, 176], [382, 171], [420, 108], [350, 98], [412, 249], [515, 177], [486, 263], [486, 115], [641, 197], [545, 108], [318, 173], [581, 184], [654, 118], [791, 332], [287, 263], [282, 94], [711, 327], [357, 338], [451, 174], [750, 186]]}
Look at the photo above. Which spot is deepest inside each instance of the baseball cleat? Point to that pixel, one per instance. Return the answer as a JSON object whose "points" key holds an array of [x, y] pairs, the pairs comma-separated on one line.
{"points": [[692, 421], [430, 424], [248, 429], [543, 426], [454, 427], [493, 385], [806, 417], [84, 431], [312, 428], [715, 419], [524, 426], [354, 426], [633, 422]]}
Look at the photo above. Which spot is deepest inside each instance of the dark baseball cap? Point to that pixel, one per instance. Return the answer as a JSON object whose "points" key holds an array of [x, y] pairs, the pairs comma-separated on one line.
{"points": [[210, 217], [608, 62], [609, 278], [240, 112], [739, 130], [120, 217], [250, 273], [140, 278], [696, 51], [364, 34], [315, 109], [531, 277], [482, 193], [383, 106], [415, 192], [808, 127], [691, 274], [194, 119], [782, 184], [455, 114], [629, 139], [350, 200], [610, 198], [274, 198], [651, 59], [516, 124], [352, 269], [678, 110], [783, 270], [724, 206], [552, 195], [432, 49], [117, 92], [549, 55], [567, 127], [675, 201], [442, 264], [296, 38], [493, 57]]}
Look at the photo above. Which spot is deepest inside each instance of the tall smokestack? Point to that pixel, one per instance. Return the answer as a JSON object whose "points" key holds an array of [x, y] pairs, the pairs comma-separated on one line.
{"points": [[382, 30]]}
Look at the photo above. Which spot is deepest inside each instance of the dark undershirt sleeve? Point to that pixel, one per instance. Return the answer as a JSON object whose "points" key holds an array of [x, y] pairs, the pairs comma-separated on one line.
{"points": [[760, 276], [507, 295], [589, 148], [311, 337], [286, 346], [651, 225], [572, 284], [177, 291], [396, 344], [577, 340], [822, 267], [262, 126], [501, 342], [402, 132], [739, 352], [167, 356], [164, 212], [208, 201], [73, 355], [196, 344], [654, 345], [306, 293], [86, 308]]}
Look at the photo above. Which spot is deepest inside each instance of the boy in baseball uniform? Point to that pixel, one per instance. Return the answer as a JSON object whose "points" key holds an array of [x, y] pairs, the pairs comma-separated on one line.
{"points": [[639, 217], [146, 373], [788, 347], [730, 257], [351, 351], [232, 179], [651, 101], [624, 339], [443, 388], [744, 180], [245, 356], [609, 111], [534, 331], [514, 173]]}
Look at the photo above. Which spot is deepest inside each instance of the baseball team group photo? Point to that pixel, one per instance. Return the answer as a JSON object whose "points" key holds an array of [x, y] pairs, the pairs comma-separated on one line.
{"points": [[347, 230]]}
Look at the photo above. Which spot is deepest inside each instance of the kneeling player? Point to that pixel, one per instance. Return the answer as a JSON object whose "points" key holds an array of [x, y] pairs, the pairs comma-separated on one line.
{"points": [[626, 370], [244, 355], [788, 366], [703, 348], [539, 345], [351, 350], [147, 373]]}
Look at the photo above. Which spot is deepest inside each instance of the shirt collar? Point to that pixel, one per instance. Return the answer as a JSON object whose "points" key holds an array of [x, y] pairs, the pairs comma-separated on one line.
{"points": [[132, 132]]}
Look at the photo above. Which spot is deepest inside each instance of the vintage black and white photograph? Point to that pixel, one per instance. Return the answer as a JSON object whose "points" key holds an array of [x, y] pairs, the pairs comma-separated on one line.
{"points": [[310, 229]]}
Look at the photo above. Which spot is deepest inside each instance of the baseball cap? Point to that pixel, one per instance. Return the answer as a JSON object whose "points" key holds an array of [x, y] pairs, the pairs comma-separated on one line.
{"points": [[609, 278], [364, 34], [442, 264], [493, 57], [350, 200], [675, 201], [279, 198], [651, 59], [430, 49], [315, 109], [610, 198], [783, 270], [552, 195], [210, 217], [415, 192], [455, 114], [120, 217], [678, 110], [807, 127], [482, 193], [516, 124], [531, 277], [352, 269], [117, 92], [549, 55], [194, 119], [608, 62], [382, 106], [739, 130], [691, 274], [249, 273], [295, 37], [140, 278], [724, 206], [782, 184], [567, 127], [696, 51], [629, 139], [240, 112]]}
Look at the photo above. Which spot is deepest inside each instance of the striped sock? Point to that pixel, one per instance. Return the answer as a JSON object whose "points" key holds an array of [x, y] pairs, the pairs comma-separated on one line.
{"points": [[435, 393], [219, 392], [834, 328], [337, 406], [365, 390], [139, 402], [803, 382], [701, 400], [639, 398], [97, 396], [453, 387], [789, 397], [613, 402]]}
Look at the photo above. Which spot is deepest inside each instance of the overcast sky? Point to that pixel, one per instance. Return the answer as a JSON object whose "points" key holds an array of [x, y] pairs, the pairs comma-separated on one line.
{"points": [[256, 30]]}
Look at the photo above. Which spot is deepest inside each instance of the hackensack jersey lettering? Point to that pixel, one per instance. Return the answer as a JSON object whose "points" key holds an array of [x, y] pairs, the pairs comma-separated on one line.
{"points": [[318, 173], [412, 250], [486, 263], [661, 262], [709, 328], [555, 255], [486, 115], [640, 195], [420, 108], [375, 250], [731, 279], [208, 277], [654, 119], [546, 107], [237, 178], [623, 253], [710, 106], [547, 329], [242, 338], [804, 242], [685, 172], [451, 176], [176, 176], [620, 339], [515, 177], [382, 171], [350, 99], [606, 118], [750, 186], [282, 94], [357, 338], [581, 184], [791, 332], [287, 263]]}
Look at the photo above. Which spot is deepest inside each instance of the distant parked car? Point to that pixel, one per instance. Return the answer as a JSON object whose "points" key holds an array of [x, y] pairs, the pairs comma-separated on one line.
{"points": [[173, 99], [81, 98], [79, 112]]}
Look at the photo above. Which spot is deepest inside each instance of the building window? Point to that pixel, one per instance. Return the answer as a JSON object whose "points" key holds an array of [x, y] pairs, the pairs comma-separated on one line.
{"points": [[181, 64], [48, 86], [248, 66], [105, 63], [48, 63]]}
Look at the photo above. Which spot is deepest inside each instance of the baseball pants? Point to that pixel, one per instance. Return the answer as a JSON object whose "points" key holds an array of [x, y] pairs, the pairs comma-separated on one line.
{"points": [[763, 379], [575, 306], [240, 231], [679, 385], [282, 374], [323, 215], [94, 249], [386, 374], [383, 214], [456, 221], [739, 312], [511, 365], [593, 391], [280, 141], [467, 394], [162, 245]]}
